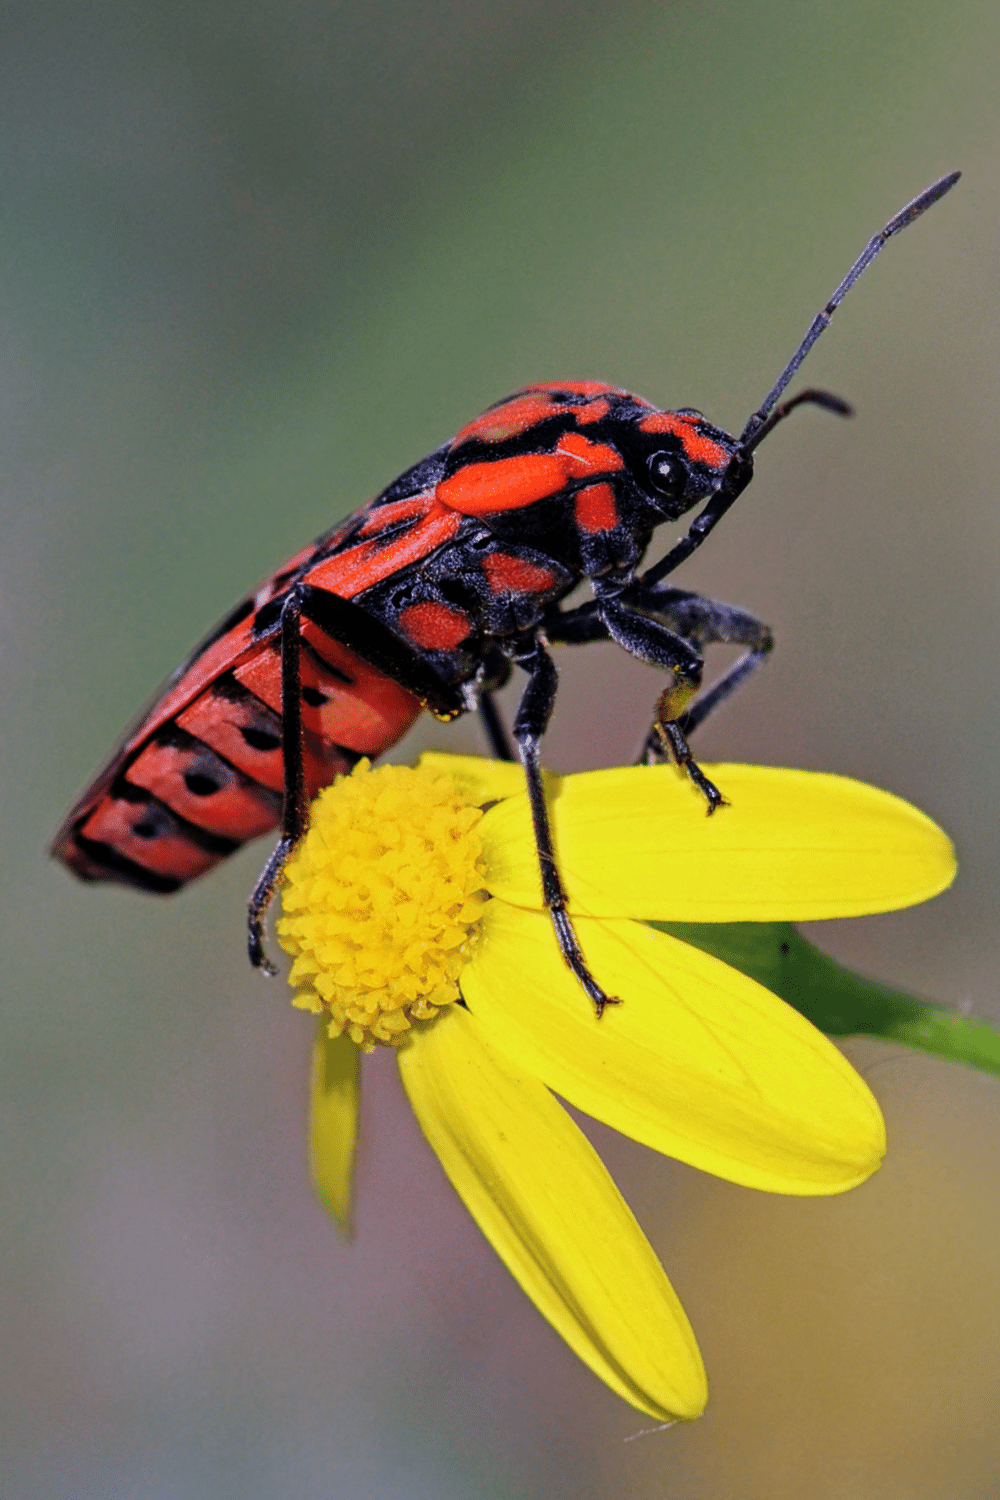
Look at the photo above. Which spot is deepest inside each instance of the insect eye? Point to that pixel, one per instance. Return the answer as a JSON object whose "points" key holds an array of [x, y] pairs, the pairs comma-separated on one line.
{"points": [[666, 474]]}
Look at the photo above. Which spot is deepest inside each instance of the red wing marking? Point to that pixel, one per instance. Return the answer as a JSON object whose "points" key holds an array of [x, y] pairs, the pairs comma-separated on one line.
{"points": [[584, 458], [159, 844], [247, 734], [227, 788], [698, 448], [206, 791], [511, 483], [384, 516], [368, 712], [515, 575], [507, 484], [350, 573], [436, 627], [581, 388], [365, 716], [595, 509], [213, 778], [511, 419], [244, 732], [218, 658], [592, 413]]}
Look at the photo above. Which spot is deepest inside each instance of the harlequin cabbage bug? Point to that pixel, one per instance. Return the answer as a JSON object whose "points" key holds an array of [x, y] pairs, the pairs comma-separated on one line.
{"points": [[424, 598]]}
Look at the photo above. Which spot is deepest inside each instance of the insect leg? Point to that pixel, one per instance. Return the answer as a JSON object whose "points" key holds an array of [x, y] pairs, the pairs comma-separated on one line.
{"points": [[295, 808], [706, 622], [575, 627], [493, 675], [530, 723], [701, 622], [495, 728], [651, 641]]}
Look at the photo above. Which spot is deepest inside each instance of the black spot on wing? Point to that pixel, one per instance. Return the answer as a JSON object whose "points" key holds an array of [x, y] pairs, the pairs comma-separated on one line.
{"points": [[104, 863], [156, 821], [200, 785], [260, 739]]}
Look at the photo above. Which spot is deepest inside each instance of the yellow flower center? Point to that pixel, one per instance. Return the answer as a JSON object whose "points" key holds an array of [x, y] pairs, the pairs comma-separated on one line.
{"points": [[382, 901]]}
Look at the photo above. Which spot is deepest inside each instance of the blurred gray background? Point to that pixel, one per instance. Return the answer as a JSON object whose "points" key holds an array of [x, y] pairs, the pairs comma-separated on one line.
{"points": [[257, 258]]}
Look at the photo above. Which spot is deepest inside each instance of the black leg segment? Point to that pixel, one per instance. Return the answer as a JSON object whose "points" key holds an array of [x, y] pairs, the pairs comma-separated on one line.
{"points": [[706, 622], [495, 729], [652, 641], [698, 622], [533, 714], [295, 810]]}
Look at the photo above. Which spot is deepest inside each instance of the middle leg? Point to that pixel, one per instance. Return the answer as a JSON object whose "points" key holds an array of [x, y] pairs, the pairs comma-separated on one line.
{"points": [[530, 723]]}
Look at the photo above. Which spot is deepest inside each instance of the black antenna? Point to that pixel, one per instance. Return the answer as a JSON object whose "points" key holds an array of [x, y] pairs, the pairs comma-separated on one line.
{"points": [[758, 425], [766, 418]]}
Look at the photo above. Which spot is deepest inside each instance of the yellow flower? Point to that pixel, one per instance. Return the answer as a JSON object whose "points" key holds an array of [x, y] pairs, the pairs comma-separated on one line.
{"points": [[413, 911]]}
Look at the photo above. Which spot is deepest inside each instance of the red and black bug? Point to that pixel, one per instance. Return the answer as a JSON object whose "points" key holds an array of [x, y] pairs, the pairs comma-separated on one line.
{"points": [[424, 598]]}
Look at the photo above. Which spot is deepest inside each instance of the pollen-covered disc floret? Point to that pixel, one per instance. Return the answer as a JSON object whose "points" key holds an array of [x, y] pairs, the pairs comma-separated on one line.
{"points": [[382, 901]]}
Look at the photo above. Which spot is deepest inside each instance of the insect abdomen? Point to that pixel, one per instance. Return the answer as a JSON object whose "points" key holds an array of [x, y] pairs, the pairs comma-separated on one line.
{"points": [[184, 794]]}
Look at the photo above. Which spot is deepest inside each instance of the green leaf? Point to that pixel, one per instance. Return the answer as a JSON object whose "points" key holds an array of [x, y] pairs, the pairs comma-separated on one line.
{"points": [[836, 999]]}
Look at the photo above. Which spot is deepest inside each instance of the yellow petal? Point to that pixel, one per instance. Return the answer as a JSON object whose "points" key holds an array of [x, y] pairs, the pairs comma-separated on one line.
{"points": [[698, 1061], [541, 1195], [333, 1127], [791, 846], [483, 780]]}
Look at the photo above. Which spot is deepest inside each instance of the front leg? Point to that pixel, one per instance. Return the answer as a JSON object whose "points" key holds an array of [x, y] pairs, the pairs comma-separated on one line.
{"points": [[701, 622], [706, 622], [530, 723], [653, 642]]}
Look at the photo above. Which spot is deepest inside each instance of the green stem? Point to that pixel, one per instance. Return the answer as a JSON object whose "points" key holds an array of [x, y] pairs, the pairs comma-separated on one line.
{"points": [[836, 999]]}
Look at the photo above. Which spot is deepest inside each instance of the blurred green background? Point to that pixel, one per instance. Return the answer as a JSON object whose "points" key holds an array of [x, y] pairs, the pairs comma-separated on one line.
{"points": [[257, 258]]}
